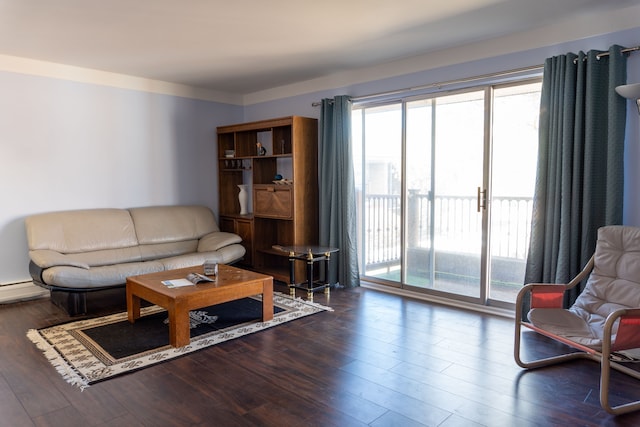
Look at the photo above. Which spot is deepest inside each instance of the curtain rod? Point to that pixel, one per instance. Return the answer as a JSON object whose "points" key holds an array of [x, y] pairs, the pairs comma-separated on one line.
{"points": [[467, 80], [627, 50], [445, 83], [600, 55]]}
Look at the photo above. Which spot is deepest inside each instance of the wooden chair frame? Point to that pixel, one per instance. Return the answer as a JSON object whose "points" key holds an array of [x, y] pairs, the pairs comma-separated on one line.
{"points": [[627, 337]]}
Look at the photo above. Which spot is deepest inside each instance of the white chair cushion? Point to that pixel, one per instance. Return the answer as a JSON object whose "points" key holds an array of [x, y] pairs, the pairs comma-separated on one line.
{"points": [[614, 283]]}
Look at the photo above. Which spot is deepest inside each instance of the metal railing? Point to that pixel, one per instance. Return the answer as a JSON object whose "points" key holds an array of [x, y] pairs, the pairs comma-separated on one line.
{"points": [[457, 226]]}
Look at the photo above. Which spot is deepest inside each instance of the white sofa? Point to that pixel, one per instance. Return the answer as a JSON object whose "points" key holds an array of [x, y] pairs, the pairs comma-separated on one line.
{"points": [[74, 252]]}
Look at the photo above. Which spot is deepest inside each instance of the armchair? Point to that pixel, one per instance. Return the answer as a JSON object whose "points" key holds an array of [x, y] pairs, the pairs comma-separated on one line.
{"points": [[604, 322]]}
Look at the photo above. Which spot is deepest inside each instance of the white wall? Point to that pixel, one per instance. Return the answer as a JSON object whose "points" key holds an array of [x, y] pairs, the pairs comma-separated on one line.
{"points": [[70, 145]]}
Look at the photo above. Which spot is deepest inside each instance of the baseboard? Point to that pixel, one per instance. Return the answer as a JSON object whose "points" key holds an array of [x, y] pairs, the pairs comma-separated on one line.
{"points": [[22, 291], [439, 300]]}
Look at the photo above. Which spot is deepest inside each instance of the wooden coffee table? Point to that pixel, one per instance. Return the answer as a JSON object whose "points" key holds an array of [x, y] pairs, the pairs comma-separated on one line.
{"points": [[232, 284]]}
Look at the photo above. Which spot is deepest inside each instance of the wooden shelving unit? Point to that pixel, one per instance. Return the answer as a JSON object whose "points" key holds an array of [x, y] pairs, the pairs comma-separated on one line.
{"points": [[281, 214]]}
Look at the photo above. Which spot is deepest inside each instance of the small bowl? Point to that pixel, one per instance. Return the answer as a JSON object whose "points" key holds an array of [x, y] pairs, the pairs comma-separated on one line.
{"points": [[229, 153]]}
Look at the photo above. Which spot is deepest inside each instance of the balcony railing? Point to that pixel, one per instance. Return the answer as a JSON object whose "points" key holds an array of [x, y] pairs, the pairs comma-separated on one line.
{"points": [[457, 226]]}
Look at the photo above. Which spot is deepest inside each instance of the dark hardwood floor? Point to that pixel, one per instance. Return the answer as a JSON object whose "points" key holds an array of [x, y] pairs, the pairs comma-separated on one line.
{"points": [[377, 360]]}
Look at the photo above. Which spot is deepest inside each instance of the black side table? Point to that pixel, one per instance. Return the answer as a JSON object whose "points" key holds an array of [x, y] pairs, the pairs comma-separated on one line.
{"points": [[311, 254]]}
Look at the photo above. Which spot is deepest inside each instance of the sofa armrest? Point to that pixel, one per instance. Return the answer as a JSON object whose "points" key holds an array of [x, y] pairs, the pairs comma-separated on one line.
{"points": [[45, 258], [216, 240]]}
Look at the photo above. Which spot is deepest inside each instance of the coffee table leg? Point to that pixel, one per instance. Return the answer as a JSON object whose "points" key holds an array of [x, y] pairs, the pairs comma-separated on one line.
{"points": [[133, 306], [267, 299], [179, 332]]}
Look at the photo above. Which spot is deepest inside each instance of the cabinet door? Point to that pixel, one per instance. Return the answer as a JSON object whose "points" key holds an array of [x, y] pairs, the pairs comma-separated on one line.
{"points": [[227, 224], [273, 201], [244, 229]]}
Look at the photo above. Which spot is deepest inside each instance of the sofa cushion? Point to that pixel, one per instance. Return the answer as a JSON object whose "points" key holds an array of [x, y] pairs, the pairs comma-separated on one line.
{"points": [[163, 250], [223, 255], [163, 224], [230, 253], [77, 231], [190, 260], [97, 277]]}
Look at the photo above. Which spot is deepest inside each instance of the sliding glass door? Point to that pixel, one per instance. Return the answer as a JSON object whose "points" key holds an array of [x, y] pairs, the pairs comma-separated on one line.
{"points": [[444, 229], [445, 185]]}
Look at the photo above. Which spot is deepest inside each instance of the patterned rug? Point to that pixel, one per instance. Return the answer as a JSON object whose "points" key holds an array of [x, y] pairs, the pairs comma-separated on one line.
{"points": [[88, 351]]}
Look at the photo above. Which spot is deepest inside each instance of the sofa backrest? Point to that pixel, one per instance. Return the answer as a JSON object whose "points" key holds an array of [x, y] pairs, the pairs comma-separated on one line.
{"points": [[107, 236], [78, 231], [168, 224]]}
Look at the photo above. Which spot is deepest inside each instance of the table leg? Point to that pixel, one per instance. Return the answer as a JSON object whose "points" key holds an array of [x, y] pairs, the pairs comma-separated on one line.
{"points": [[267, 299], [179, 332], [292, 275], [310, 262], [327, 285], [133, 305]]}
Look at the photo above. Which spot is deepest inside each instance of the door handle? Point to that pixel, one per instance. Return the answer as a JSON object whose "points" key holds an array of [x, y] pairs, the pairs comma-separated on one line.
{"points": [[482, 199]]}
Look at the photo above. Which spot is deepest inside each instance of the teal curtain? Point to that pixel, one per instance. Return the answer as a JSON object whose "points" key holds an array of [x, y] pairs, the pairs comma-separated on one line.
{"points": [[337, 191], [579, 184]]}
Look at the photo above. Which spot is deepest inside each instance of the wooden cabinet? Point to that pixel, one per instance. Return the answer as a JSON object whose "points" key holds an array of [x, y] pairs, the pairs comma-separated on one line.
{"points": [[282, 213], [242, 225]]}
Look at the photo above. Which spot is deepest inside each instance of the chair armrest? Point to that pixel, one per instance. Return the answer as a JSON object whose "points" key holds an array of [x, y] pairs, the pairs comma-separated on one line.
{"points": [[584, 273], [627, 335], [547, 296], [543, 295], [216, 240]]}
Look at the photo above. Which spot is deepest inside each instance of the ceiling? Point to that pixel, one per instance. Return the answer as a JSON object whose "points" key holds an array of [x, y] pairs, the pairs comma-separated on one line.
{"points": [[246, 46]]}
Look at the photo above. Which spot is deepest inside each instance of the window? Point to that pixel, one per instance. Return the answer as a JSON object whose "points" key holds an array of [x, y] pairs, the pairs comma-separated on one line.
{"points": [[445, 186]]}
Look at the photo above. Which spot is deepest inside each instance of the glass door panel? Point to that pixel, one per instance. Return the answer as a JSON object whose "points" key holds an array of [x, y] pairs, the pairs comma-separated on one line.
{"points": [[382, 228], [515, 153], [445, 146], [419, 256]]}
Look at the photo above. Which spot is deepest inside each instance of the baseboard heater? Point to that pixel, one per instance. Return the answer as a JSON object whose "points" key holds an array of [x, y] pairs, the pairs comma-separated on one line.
{"points": [[20, 291]]}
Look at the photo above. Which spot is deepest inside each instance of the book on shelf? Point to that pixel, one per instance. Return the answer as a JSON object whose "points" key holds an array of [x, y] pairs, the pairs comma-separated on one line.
{"points": [[190, 280]]}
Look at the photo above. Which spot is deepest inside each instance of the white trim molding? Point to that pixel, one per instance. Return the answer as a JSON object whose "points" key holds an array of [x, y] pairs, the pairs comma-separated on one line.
{"points": [[14, 64], [22, 291]]}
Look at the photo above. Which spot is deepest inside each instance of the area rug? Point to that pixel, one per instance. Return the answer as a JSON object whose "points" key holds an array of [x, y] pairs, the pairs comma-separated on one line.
{"points": [[88, 351]]}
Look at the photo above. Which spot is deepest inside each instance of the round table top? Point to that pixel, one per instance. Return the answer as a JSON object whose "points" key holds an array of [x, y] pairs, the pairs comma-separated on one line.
{"points": [[305, 249]]}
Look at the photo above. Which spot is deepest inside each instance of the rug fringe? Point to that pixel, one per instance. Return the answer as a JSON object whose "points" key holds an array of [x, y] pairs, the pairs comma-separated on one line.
{"points": [[57, 361]]}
